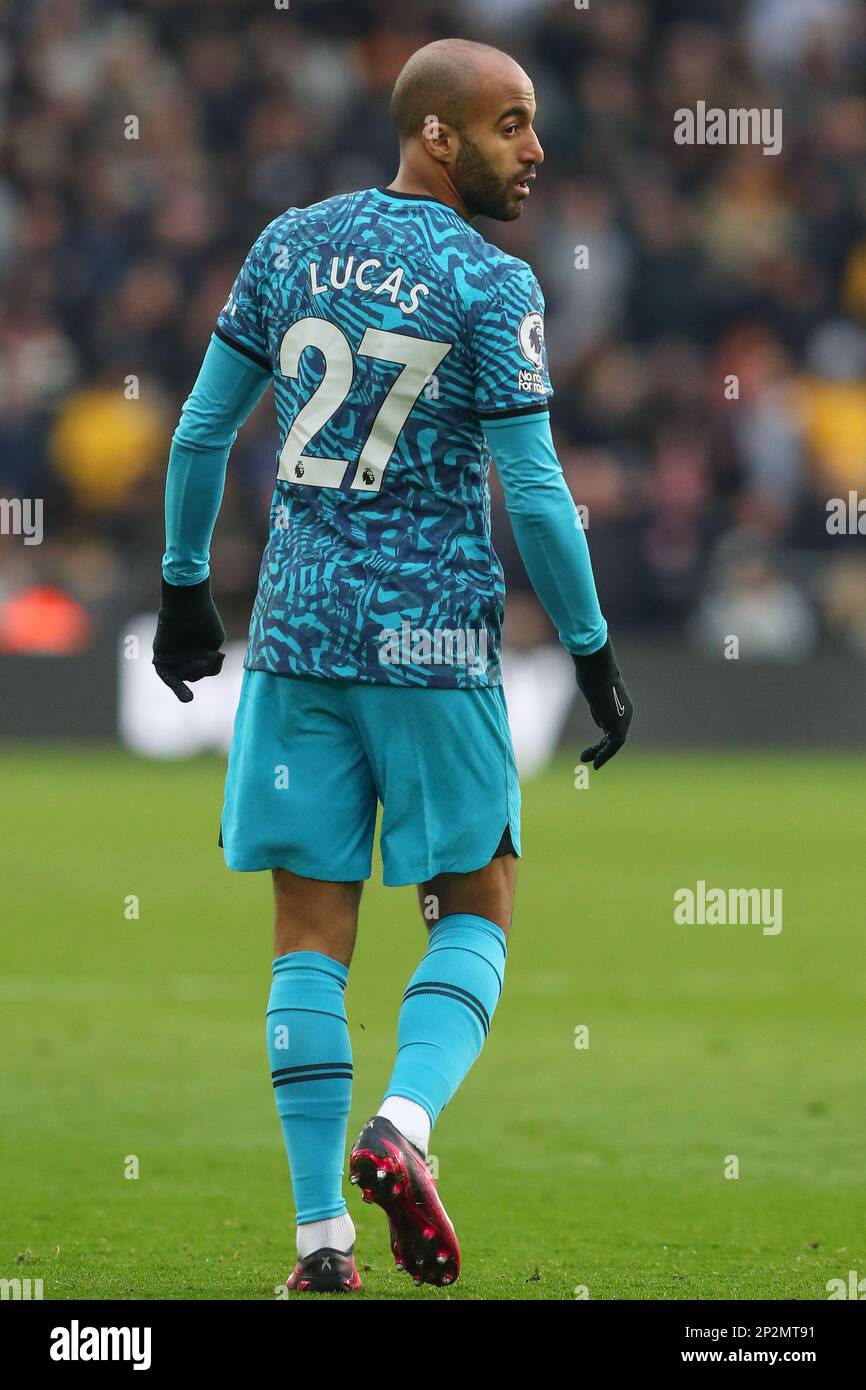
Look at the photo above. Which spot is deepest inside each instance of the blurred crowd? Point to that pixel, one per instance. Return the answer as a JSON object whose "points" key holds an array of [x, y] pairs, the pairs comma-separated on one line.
{"points": [[708, 348]]}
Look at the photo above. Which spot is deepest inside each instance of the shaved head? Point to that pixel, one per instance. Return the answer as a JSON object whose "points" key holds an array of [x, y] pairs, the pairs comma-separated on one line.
{"points": [[463, 113], [444, 79]]}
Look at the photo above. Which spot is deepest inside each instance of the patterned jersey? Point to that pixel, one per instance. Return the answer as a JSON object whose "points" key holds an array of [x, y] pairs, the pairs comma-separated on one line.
{"points": [[392, 330]]}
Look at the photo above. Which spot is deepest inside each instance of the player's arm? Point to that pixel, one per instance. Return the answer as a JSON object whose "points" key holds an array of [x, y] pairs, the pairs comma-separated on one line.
{"points": [[233, 377], [189, 631], [512, 389], [554, 550]]}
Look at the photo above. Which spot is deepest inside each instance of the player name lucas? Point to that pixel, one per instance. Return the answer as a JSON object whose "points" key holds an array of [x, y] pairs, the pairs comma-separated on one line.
{"points": [[343, 272]]}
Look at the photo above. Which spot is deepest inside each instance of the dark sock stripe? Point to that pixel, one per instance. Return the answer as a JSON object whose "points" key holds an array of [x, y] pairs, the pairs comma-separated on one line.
{"points": [[452, 992], [447, 946], [316, 1076], [445, 984], [303, 1009], [498, 936], [458, 989], [313, 1066]]}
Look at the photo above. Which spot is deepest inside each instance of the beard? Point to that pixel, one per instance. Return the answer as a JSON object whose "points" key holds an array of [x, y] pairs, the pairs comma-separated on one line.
{"points": [[483, 191]]}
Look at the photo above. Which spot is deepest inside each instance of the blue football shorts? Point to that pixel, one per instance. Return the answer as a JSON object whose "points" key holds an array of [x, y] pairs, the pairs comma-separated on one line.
{"points": [[310, 760]]}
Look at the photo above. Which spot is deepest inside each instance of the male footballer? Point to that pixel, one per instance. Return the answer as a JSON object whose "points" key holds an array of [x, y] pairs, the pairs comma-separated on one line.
{"points": [[404, 352]]}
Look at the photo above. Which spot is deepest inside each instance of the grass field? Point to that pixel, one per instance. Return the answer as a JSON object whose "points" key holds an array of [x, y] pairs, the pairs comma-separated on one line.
{"points": [[562, 1168]]}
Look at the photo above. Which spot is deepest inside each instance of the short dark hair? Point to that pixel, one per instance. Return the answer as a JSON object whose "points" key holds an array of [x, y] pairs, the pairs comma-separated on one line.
{"points": [[441, 79]]}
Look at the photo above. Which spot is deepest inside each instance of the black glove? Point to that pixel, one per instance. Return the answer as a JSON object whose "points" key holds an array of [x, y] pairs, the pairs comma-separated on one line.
{"points": [[189, 634], [609, 702]]}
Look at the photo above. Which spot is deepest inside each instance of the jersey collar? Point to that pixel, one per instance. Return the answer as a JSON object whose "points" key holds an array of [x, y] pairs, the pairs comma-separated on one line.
{"points": [[417, 198]]}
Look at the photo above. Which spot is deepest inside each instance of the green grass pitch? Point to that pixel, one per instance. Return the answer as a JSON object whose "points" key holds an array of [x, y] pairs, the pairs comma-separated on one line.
{"points": [[564, 1168]]}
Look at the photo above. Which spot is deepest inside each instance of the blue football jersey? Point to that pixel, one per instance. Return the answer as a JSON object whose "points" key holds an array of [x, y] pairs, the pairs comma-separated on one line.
{"points": [[392, 330]]}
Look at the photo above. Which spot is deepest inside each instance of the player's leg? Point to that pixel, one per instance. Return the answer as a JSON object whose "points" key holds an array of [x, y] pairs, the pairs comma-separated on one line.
{"points": [[452, 994], [452, 807], [311, 1062], [300, 801], [444, 1020], [472, 813]]}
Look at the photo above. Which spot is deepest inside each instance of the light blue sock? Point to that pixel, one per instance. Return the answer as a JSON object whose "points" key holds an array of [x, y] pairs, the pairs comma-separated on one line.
{"points": [[446, 1010], [311, 1068]]}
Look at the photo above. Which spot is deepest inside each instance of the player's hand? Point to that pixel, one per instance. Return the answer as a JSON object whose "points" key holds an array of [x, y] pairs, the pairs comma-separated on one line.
{"points": [[609, 703], [189, 634]]}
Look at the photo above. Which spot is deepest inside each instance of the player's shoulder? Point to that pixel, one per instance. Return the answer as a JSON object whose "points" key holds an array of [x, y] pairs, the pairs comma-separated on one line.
{"points": [[298, 226], [499, 264], [492, 275]]}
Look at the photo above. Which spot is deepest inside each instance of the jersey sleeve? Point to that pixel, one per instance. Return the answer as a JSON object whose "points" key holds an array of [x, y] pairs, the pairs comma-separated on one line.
{"points": [[547, 528], [507, 349], [227, 389], [239, 323]]}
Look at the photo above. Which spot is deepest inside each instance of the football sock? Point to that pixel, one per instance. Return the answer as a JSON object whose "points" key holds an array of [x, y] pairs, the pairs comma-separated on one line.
{"points": [[311, 1069], [410, 1118], [446, 1012], [336, 1234]]}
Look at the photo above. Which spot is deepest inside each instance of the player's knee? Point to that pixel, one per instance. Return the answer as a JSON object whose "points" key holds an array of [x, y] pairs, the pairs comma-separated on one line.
{"points": [[313, 915], [487, 892]]}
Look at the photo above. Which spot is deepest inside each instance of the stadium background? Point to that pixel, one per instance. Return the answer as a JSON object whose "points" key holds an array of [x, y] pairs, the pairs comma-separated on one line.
{"points": [[707, 518]]}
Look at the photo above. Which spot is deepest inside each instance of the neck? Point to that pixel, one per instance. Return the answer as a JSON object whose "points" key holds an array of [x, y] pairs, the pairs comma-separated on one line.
{"points": [[409, 180]]}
